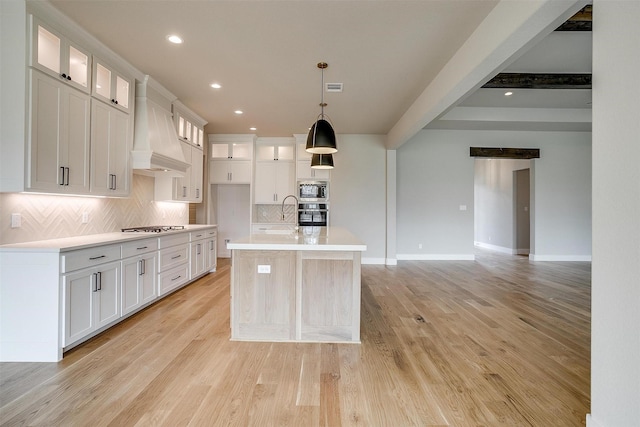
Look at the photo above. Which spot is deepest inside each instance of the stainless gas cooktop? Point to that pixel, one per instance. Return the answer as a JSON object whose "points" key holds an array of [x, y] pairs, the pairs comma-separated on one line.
{"points": [[153, 228]]}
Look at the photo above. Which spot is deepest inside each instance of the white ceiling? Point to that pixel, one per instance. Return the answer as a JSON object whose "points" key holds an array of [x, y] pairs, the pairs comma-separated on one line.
{"points": [[264, 54]]}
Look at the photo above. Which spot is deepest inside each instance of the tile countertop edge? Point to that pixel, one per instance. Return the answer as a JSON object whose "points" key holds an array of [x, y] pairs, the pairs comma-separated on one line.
{"points": [[65, 244], [333, 239]]}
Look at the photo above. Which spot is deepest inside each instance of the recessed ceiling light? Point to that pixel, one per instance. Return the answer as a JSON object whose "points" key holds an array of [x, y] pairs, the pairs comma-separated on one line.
{"points": [[252, 128], [215, 85], [508, 93], [238, 112], [174, 39]]}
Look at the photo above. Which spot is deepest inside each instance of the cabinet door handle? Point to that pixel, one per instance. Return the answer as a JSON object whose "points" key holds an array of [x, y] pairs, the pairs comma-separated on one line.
{"points": [[94, 285], [99, 281], [198, 249], [210, 245], [143, 267], [68, 174], [93, 258], [176, 257], [61, 182], [184, 191], [141, 248], [197, 193], [176, 278]]}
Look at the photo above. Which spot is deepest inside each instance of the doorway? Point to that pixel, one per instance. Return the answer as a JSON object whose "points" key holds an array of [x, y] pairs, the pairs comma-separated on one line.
{"points": [[521, 205], [232, 206], [502, 205]]}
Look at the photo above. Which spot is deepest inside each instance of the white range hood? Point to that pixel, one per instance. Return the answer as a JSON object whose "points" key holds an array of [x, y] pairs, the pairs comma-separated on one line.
{"points": [[156, 148]]}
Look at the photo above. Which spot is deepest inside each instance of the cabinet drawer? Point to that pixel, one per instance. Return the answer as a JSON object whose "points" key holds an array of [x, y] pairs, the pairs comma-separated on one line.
{"points": [[75, 260], [203, 234], [171, 279], [138, 247], [197, 235], [173, 240], [174, 256]]}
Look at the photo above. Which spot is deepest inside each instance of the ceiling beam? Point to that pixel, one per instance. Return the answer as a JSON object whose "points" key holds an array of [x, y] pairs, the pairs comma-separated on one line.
{"points": [[505, 153], [539, 81], [511, 28], [581, 21]]}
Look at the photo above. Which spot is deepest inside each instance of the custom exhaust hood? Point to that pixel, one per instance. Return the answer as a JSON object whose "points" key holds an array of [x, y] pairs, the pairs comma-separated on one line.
{"points": [[156, 148]]}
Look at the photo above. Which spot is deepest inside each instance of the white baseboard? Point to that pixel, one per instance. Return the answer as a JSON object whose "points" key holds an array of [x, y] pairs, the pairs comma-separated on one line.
{"points": [[505, 250], [436, 257], [591, 422], [558, 258], [378, 261], [391, 261]]}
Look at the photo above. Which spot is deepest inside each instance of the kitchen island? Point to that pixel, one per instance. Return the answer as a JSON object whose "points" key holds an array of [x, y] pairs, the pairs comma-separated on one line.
{"points": [[296, 286]]}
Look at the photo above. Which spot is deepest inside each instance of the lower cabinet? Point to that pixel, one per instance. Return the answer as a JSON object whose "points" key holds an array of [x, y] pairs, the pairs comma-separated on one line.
{"points": [[173, 262], [203, 252], [90, 300], [139, 281], [212, 252]]}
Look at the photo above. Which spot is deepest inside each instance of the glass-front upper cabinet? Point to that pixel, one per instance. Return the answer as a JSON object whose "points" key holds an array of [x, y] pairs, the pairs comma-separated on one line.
{"points": [[189, 126], [110, 86], [231, 146], [59, 57]]}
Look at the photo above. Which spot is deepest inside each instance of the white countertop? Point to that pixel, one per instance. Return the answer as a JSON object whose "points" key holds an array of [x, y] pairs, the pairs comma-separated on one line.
{"points": [[81, 242], [328, 239]]}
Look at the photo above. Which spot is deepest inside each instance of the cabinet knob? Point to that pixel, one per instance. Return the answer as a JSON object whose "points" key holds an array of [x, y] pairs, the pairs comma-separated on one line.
{"points": [[63, 75], [68, 77]]}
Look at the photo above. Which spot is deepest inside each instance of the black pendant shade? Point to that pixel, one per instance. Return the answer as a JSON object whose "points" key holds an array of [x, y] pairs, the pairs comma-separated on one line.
{"points": [[321, 138], [322, 161]]}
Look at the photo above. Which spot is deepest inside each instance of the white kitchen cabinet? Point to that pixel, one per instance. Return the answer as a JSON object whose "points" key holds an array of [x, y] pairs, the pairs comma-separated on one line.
{"points": [[111, 86], [111, 141], [187, 188], [91, 300], [230, 172], [58, 56], [139, 274], [203, 251], [59, 137], [305, 172], [231, 146], [274, 181], [189, 128], [198, 256], [211, 242], [275, 152], [173, 262]]}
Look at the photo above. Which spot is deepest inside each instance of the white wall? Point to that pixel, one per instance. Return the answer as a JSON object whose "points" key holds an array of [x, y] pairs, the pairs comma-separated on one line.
{"points": [[615, 312], [494, 202], [435, 177], [358, 191]]}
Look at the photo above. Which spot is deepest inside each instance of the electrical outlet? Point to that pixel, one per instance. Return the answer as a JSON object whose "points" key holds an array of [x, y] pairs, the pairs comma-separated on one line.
{"points": [[16, 220], [264, 269], [419, 245]]}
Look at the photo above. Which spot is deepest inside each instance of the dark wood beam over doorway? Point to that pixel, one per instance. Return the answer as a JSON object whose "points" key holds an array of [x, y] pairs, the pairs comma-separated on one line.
{"points": [[505, 153]]}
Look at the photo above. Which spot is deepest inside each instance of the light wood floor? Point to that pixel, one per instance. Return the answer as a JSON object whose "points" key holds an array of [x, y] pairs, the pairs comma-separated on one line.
{"points": [[496, 342]]}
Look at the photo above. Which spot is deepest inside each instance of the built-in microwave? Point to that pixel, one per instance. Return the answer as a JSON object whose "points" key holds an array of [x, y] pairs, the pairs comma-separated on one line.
{"points": [[313, 191]]}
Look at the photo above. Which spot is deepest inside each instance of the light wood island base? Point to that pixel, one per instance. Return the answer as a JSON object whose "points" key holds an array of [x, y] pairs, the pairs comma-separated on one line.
{"points": [[283, 289]]}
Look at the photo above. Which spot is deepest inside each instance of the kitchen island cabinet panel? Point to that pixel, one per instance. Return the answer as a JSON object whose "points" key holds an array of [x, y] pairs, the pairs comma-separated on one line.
{"points": [[329, 311], [264, 305], [289, 287]]}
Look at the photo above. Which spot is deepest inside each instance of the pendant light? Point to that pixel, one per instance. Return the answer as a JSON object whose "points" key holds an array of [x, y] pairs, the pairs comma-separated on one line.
{"points": [[322, 161], [321, 138]]}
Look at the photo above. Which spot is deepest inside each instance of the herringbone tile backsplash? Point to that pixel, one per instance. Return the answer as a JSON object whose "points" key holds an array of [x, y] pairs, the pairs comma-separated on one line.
{"points": [[50, 217]]}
